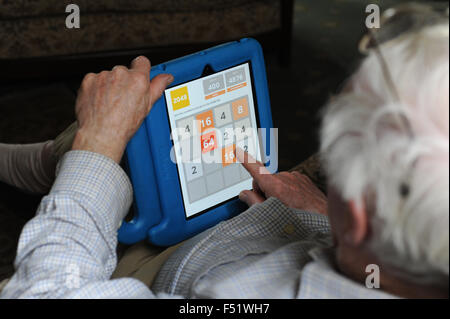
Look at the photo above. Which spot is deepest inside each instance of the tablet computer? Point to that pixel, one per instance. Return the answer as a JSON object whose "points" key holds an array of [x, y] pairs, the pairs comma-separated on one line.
{"points": [[182, 161]]}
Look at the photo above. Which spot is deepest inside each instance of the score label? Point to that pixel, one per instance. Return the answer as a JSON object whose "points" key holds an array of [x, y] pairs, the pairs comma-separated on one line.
{"points": [[213, 84], [180, 98], [213, 87], [235, 77]]}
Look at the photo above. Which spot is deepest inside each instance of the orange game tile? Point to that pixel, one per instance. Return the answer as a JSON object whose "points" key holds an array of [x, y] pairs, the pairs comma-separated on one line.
{"points": [[240, 108], [228, 155], [205, 121], [209, 141]]}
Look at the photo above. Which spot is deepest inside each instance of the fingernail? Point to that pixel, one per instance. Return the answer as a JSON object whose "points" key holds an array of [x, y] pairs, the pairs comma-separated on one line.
{"points": [[240, 154], [169, 79]]}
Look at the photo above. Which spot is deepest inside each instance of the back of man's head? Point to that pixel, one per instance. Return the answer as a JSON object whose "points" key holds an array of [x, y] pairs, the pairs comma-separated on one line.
{"points": [[394, 153]]}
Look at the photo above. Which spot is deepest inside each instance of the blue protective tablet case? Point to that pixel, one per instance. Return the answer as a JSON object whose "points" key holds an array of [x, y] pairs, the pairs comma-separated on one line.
{"points": [[158, 204]]}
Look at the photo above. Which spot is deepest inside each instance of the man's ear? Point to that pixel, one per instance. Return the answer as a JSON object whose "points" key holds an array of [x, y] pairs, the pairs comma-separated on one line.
{"points": [[357, 228]]}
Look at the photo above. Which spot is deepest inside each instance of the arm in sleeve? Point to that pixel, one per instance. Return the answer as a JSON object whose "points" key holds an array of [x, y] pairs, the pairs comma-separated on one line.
{"points": [[69, 248]]}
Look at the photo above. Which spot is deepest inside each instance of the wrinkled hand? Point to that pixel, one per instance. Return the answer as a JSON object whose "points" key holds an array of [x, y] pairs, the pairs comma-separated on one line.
{"points": [[112, 105], [293, 189]]}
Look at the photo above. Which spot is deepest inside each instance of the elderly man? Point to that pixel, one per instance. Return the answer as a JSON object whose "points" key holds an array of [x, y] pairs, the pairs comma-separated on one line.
{"points": [[387, 159]]}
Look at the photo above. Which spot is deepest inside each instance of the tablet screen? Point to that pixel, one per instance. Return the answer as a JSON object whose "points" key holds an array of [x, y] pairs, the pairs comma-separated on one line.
{"points": [[209, 117]]}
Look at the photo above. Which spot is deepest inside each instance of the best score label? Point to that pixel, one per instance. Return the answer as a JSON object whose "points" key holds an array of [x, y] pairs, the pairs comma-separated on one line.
{"points": [[180, 98]]}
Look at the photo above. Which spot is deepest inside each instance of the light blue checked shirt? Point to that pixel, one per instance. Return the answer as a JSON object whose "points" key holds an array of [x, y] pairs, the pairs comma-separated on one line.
{"points": [[69, 249]]}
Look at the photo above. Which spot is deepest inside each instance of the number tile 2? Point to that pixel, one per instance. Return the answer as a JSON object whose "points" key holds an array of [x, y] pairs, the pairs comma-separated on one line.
{"points": [[193, 170]]}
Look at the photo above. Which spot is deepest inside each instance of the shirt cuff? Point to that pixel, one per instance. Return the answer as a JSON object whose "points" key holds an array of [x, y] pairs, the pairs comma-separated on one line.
{"points": [[97, 181]]}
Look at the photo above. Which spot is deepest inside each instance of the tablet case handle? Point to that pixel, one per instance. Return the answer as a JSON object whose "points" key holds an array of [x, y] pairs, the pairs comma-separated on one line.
{"points": [[147, 213]]}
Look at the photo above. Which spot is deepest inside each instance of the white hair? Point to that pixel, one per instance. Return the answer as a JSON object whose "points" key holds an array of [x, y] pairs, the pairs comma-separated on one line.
{"points": [[369, 153]]}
